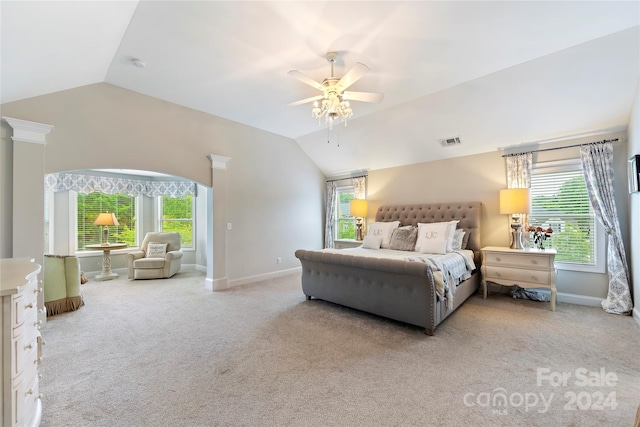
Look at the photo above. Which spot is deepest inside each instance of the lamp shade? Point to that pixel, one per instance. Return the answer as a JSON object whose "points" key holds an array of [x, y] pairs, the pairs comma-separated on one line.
{"points": [[514, 201], [358, 208], [106, 218]]}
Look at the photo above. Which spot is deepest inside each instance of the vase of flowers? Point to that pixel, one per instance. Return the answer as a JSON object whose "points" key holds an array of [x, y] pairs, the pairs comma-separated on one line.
{"points": [[540, 235]]}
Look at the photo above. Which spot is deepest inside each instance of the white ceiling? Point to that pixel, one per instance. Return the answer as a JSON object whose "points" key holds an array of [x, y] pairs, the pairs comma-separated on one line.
{"points": [[494, 73]]}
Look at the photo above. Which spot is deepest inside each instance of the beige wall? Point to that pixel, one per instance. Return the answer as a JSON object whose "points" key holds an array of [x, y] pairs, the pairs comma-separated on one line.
{"points": [[274, 191], [634, 207], [481, 177]]}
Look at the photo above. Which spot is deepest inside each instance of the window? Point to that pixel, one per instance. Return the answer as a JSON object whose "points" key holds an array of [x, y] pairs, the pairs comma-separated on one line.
{"points": [[48, 221], [176, 215], [345, 223], [559, 200], [88, 208]]}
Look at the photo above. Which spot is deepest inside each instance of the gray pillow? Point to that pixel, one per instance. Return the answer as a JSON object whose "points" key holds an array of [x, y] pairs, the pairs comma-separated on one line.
{"points": [[465, 239], [404, 239]]}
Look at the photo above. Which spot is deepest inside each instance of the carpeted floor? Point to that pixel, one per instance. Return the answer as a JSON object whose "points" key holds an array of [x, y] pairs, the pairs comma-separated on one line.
{"points": [[170, 353]]}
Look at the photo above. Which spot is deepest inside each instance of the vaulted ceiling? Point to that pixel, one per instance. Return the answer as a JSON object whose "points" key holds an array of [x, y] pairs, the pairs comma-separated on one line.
{"points": [[494, 74]]}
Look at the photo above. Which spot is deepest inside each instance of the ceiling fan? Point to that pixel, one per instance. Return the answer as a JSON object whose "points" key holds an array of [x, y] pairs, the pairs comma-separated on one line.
{"points": [[333, 103]]}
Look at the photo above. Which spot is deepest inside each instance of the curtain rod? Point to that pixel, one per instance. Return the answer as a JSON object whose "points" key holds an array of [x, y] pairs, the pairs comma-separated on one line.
{"points": [[562, 148], [348, 177]]}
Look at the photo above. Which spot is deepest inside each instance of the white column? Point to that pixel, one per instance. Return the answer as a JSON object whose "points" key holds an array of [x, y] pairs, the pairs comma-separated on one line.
{"points": [[216, 224], [29, 140]]}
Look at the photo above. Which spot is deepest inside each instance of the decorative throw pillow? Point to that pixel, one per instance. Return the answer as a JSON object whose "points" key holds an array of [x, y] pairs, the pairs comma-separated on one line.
{"points": [[450, 232], [432, 237], [404, 238], [465, 239], [384, 230], [458, 236], [372, 242], [156, 250]]}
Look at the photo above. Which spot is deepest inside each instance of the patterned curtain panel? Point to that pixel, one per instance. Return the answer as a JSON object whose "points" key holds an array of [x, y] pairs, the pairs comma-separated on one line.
{"points": [[597, 164], [330, 224], [360, 187], [519, 170], [133, 187]]}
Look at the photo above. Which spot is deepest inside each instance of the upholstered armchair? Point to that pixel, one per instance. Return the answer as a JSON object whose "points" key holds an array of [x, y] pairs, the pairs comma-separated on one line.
{"points": [[61, 283], [159, 257]]}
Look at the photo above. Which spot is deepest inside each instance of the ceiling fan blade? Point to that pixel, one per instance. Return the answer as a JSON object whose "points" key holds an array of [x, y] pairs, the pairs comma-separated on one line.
{"points": [[304, 101], [305, 79], [353, 75], [363, 96]]}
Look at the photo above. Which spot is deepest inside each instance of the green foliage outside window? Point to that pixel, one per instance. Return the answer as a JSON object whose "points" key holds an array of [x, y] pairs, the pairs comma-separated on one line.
{"points": [[346, 227], [569, 213], [90, 205], [177, 216]]}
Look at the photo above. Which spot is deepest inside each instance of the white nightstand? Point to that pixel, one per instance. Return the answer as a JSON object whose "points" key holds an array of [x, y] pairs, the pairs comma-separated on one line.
{"points": [[346, 243], [528, 268]]}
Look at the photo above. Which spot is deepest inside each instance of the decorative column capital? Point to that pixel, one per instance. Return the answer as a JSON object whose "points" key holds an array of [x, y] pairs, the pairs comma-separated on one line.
{"points": [[218, 162], [26, 131]]}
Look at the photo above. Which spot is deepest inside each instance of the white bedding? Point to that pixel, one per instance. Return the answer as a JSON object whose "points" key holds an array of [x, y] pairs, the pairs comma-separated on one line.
{"points": [[449, 269]]}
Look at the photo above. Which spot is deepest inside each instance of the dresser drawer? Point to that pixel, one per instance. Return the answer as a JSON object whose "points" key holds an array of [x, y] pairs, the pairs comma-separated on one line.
{"points": [[31, 399], [22, 303], [26, 397], [25, 356], [517, 275], [542, 262]]}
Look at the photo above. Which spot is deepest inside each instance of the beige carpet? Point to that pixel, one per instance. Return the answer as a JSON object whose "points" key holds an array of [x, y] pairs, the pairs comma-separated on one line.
{"points": [[170, 353]]}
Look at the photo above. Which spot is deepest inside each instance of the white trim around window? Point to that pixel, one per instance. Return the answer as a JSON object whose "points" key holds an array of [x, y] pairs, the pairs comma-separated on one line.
{"points": [[600, 240]]}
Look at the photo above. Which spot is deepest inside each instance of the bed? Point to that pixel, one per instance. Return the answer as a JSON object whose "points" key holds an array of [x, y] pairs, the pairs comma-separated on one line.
{"points": [[403, 289]]}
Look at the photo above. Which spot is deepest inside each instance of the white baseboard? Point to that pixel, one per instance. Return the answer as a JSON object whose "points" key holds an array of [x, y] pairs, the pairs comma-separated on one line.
{"points": [[636, 315], [216, 284], [580, 299], [201, 268], [261, 277]]}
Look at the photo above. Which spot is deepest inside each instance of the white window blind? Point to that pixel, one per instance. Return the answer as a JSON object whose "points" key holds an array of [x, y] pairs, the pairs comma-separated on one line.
{"points": [[90, 205], [559, 200], [177, 216], [345, 223]]}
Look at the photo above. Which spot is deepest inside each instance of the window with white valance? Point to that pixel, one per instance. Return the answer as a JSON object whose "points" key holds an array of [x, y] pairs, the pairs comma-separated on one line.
{"points": [[142, 186], [91, 193]]}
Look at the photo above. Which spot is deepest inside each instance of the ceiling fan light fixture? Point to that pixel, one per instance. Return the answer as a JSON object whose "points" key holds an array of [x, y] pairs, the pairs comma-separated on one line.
{"points": [[334, 105]]}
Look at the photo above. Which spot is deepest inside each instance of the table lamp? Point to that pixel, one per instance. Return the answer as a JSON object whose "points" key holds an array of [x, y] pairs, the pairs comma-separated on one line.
{"points": [[105, 220], [359, 209], [515, 202]]}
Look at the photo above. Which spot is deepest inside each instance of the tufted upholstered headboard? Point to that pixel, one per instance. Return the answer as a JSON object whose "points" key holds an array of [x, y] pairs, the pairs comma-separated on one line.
{"points": [[468, 213]]}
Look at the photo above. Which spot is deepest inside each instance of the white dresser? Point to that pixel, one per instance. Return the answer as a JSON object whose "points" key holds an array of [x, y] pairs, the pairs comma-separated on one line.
{"points": [[20, 346], [527, 268]]}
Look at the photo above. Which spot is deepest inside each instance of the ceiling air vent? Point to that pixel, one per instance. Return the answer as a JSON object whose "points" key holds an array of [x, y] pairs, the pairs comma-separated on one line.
{"points": [[450, 142]]}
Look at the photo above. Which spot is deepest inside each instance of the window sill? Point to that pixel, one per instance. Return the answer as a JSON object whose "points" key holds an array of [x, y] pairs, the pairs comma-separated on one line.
{"points": [[566, 266]]}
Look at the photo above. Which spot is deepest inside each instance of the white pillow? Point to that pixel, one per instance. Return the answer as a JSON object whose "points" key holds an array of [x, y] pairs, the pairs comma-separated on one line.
{"points": [[372, 242], [458, 236], [156, 250], [451, 229], [384, 230], [432, 237], [431, 246]]}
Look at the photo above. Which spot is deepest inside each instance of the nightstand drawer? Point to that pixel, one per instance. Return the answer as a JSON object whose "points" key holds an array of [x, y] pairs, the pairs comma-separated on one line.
{"points": [[542, 262], [518, 276]]}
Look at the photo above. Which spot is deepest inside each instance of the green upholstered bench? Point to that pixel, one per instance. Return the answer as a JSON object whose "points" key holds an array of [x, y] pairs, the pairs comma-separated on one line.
{"points": [[61, 284]]}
